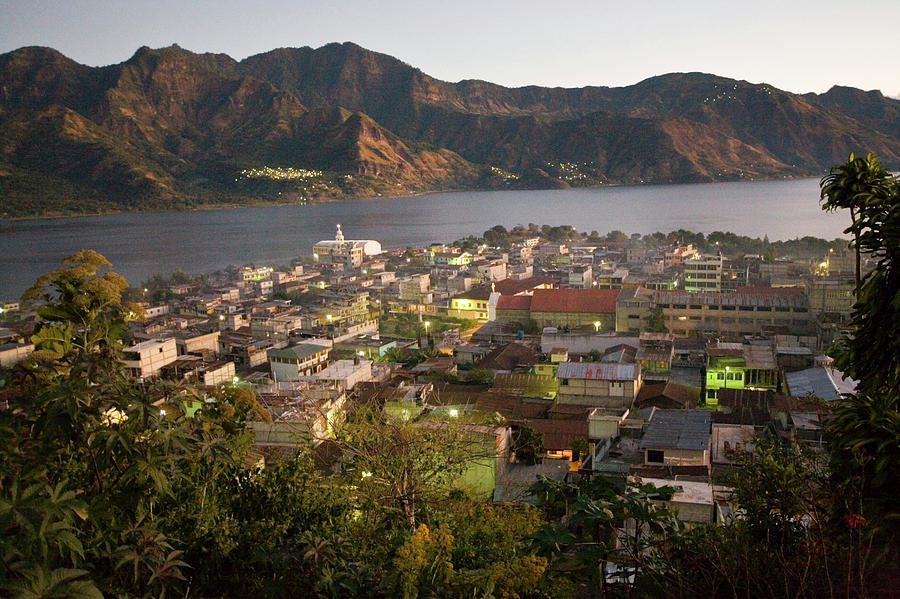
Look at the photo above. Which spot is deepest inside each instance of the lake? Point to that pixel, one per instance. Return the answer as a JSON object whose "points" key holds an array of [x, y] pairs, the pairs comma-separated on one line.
{"points": [[139, 245]]}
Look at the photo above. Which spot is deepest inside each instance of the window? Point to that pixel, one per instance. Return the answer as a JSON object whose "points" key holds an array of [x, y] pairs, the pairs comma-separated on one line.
{"points": [[655, 456]]}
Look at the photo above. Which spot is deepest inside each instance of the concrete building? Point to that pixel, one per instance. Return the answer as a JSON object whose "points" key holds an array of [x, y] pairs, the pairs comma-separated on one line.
{"points": [[562, 308], [347, 373], [13, 353], [749, 311], [291, 363], [348, 252], [415, 288], [677, 438], [703, 274], [740, 366], [145, 359], [833, 295], [602, 384], [633, 309], [581, 277]]}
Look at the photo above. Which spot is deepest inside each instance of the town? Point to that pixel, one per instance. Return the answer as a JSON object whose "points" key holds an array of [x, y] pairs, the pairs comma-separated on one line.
{"points": [[653, 362]]}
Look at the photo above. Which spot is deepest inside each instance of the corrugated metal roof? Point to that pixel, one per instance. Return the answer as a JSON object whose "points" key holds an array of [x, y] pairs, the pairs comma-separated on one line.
{"points": [[678, 429], [606, 371], [815, 381], [776, 300]]}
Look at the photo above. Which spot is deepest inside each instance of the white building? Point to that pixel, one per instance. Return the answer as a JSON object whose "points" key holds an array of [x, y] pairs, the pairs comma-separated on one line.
{"points": [[703, 274], [146, 359], [349, 252]]}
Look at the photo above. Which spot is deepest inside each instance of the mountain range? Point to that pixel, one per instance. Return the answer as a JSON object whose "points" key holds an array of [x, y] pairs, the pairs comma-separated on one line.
{"points": [[172, 129]]}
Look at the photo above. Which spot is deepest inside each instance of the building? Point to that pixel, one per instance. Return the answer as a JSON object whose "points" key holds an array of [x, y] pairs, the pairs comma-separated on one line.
{"points": [[703, 274], [13, 353], [437, 258], [602, 384], [145, 359], [831, 295], [677, 438], [740, 366], [291, 363], [633, 309], [347, 373], [474, 304], [748, 311], [348, 252], [581, 277], [562, 308], [415, 288], [655, 355]]}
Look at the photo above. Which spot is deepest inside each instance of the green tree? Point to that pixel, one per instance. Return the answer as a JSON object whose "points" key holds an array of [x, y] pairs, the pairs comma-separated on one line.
{"points": [[528, 445], [401, 466], [856, 185]]}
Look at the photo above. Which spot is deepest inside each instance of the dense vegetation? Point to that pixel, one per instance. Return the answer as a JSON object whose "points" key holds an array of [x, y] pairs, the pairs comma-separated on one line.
{"points": [[108, 489], [730, 244]]}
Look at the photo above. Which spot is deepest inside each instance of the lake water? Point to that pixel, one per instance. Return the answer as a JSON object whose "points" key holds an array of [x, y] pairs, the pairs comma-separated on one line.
{"points": [[139, 245]]}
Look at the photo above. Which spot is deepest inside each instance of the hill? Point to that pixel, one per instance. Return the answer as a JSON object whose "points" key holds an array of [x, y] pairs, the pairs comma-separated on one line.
{"points": [[169, 128]]}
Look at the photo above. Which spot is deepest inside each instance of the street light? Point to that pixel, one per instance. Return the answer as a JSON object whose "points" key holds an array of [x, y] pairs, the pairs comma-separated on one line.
{"points": [[597, 325]]}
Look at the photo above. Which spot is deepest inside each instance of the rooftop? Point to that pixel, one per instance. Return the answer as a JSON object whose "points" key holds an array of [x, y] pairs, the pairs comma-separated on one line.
{"points": [[678, 429], [575, 300], [607, 371]]}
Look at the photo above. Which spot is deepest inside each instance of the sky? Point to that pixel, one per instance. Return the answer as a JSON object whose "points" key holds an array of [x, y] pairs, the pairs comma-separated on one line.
{"points": [[799, 46]]}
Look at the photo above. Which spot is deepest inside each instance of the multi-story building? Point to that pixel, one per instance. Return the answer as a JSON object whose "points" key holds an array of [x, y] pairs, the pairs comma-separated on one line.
{"points": [[415, 288], [580, 277], [291, 363], [703, 274], [348, 252], [633, 308], [611, 279], [753, 311], [436, 258], [145, 359], [740, 366], [677, 255], [832, 295]]}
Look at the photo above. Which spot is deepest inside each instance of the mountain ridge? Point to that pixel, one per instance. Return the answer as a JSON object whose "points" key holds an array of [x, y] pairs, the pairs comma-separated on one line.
{"points": [[169, 128]]}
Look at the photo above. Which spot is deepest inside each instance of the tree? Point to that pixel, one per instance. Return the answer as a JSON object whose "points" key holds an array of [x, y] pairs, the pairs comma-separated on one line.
{"points": [[82, 315], [402, 465], [657, 321], [528, 445], [856, 185]]}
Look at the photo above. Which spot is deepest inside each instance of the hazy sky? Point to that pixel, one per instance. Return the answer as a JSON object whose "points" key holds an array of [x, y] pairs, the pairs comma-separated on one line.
{"points": [[798, 46]]}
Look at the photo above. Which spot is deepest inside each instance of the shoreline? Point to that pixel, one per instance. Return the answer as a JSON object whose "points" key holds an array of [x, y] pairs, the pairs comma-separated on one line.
{"points": [[208, 207]]}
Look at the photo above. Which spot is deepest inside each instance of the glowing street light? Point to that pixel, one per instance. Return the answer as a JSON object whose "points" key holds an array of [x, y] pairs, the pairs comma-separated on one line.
{"points": [[454, 413], [597, 325]]}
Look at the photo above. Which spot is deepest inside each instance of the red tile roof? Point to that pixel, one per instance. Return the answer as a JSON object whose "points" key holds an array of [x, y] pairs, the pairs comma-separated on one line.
{"points": [[559, 435], [514, 302], [575, 300]]}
